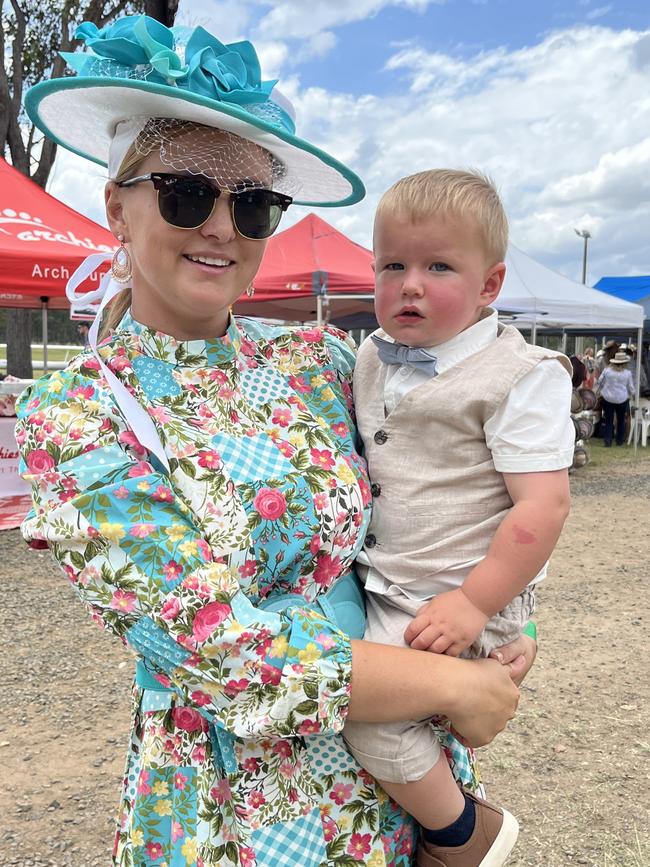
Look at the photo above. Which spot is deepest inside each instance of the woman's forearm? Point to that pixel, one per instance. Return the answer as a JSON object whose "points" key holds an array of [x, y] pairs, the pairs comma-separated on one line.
{"points": [[396, 683]]}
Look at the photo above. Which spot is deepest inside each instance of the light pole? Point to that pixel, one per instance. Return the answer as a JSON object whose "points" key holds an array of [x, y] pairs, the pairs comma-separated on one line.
{"points": [[584, 233]]}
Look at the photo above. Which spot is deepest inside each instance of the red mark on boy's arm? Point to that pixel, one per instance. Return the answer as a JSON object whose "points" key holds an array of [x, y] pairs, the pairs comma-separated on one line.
{"points": [[522, 536]]}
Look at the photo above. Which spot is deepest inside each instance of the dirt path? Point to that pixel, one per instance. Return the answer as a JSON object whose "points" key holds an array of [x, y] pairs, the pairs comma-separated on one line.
{"points": [[574, 766]]}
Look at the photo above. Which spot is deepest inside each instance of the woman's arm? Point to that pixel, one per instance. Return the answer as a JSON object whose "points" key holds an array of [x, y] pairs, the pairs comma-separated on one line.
{"points": [[138, 558], [395, 683]]}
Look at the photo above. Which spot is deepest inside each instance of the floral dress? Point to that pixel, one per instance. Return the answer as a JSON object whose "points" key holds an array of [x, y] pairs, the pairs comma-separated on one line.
{"points": [[235, 756]]}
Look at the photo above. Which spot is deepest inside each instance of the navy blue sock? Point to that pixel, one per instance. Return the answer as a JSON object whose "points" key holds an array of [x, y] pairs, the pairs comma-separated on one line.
{"points": [[456, 834]]}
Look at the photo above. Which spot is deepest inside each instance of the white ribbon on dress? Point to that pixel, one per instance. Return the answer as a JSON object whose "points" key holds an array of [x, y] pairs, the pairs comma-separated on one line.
{"points": [[135, 416]]}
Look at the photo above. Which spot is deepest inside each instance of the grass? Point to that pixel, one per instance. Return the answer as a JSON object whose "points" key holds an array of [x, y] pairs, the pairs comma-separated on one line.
{"points": [[53, 355], [636, 855], [602, 458]]}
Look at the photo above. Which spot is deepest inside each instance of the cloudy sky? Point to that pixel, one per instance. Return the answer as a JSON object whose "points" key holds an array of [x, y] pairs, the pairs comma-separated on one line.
{"points": [[552, 99]]}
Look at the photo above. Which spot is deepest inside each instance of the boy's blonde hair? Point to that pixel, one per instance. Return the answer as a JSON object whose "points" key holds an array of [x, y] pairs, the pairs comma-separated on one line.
{"points": [[465, 195]]}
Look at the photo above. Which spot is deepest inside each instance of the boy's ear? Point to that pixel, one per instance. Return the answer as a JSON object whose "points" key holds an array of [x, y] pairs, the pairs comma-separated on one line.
{"points": [[114, 209], [492, 283]]}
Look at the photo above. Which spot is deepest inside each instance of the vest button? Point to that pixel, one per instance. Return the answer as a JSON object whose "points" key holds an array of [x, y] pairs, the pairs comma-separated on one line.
{"points": [[371, 540], [375, 489], [380, 437]]}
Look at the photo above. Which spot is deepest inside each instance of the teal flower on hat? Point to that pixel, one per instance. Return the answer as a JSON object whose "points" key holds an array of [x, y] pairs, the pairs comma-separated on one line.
{"points": [[141, 47]]}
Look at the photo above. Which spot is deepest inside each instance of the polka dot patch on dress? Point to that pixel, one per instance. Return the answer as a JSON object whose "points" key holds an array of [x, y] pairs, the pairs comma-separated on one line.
{"points": [[327, 755], [263, 385]]}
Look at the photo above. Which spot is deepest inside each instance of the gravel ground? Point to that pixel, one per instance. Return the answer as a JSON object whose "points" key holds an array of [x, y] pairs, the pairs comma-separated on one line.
{"points": [[570, 766]]}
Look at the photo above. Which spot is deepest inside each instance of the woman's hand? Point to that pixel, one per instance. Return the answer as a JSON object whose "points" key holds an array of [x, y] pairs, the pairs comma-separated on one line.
{"points": [[518, 656], [488, 699]]}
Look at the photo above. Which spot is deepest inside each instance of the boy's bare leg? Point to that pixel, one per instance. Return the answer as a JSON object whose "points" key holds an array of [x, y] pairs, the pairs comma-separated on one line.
{"points": [[435, 800]]}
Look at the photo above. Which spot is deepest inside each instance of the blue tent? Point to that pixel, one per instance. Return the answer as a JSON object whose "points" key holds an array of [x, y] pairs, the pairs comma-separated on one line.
{"points": [[634, 289]]}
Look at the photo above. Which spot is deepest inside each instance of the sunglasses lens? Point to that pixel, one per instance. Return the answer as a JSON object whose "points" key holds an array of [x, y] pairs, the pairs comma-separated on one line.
{"points": [[185, 202], [257, 213]]}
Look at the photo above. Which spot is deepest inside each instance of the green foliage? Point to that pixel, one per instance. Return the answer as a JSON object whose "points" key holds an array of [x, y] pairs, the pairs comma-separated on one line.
{"points": [[60, 329]]}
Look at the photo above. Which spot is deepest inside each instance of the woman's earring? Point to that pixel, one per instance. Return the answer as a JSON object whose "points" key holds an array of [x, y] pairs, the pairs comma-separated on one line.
{"points": [[250, 290], [121, 268]]}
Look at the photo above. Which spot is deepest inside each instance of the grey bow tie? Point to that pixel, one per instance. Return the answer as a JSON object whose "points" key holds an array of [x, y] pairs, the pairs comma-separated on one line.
{"points": [[398, 353]]}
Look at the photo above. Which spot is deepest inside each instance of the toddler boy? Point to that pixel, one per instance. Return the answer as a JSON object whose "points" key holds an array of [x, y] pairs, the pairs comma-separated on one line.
{"points": [[468, 437]]}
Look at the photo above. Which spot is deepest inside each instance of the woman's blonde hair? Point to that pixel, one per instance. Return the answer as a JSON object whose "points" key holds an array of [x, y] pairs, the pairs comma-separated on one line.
{"points": [[465, 195], [121, 303]]}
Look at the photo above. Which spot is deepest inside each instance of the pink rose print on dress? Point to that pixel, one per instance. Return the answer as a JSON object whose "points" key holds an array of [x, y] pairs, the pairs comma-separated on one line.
{"points": [[247, 856], [209, 459], [171, 609], [281, 416], [270, 503], [271, 674], [359, 845], [162, 494], [233, 687], [172, 570], [221, 792], [180, 781], [341, 793], [142, 468], [123, 601], [311, 335], [322, 458], [256, 799], [143, 783], [208, 618], [154, 850], [39, 461], [141, 531], [327, 569], [128, 438], [189, 720]]}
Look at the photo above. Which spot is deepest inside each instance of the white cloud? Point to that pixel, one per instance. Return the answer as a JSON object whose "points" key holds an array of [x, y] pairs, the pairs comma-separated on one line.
{"points": [[563, 126], [229, 20], [600, 12], [79, 184], [295, 19]]}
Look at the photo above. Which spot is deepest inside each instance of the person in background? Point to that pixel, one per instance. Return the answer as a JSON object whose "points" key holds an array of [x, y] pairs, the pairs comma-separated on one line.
{"points": [[615, 386], [603, 355], [590, 364], [631, 351], [82, 330]]}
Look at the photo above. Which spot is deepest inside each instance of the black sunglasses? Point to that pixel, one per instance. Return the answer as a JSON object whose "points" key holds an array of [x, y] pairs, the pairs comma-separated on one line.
{"points": [[188, 202]]}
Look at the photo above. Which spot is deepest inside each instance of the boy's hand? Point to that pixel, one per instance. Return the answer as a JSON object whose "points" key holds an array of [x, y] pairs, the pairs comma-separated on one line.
{"points": [[448, 624]]}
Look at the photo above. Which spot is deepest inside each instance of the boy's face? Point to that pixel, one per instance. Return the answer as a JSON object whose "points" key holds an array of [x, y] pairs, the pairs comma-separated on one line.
{"points": [[432, 278]]}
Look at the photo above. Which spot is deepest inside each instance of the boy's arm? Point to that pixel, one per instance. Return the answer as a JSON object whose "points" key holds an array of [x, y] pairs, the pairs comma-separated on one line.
{"points": [[522, 544]]}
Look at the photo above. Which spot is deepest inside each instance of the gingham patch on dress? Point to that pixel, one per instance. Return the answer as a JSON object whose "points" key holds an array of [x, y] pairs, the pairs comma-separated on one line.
{"points": [[459, 757], [250, 459], [300, 842], [155, 377], [263, 385]]}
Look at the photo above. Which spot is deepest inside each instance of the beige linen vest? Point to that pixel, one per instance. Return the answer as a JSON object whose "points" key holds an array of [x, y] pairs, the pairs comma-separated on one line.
{"points": [[437, 498]]}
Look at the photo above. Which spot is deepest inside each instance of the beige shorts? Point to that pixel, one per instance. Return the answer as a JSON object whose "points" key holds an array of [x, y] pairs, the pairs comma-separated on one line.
{"points": [[402, 752]]}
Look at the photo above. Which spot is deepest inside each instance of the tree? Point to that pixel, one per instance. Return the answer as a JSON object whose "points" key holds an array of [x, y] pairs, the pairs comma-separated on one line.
{"points": [[31, 35]]}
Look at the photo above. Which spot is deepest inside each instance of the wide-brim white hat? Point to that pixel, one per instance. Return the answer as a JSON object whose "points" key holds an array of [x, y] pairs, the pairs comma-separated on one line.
{"points": [[138, 68]]}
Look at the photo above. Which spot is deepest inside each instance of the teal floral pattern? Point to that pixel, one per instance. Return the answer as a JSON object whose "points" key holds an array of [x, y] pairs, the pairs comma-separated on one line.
{"points": [[235, 755]]}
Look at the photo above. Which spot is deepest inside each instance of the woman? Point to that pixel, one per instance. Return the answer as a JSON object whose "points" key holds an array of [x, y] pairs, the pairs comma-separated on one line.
{"points": [[616, 387], [196, 477]]}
